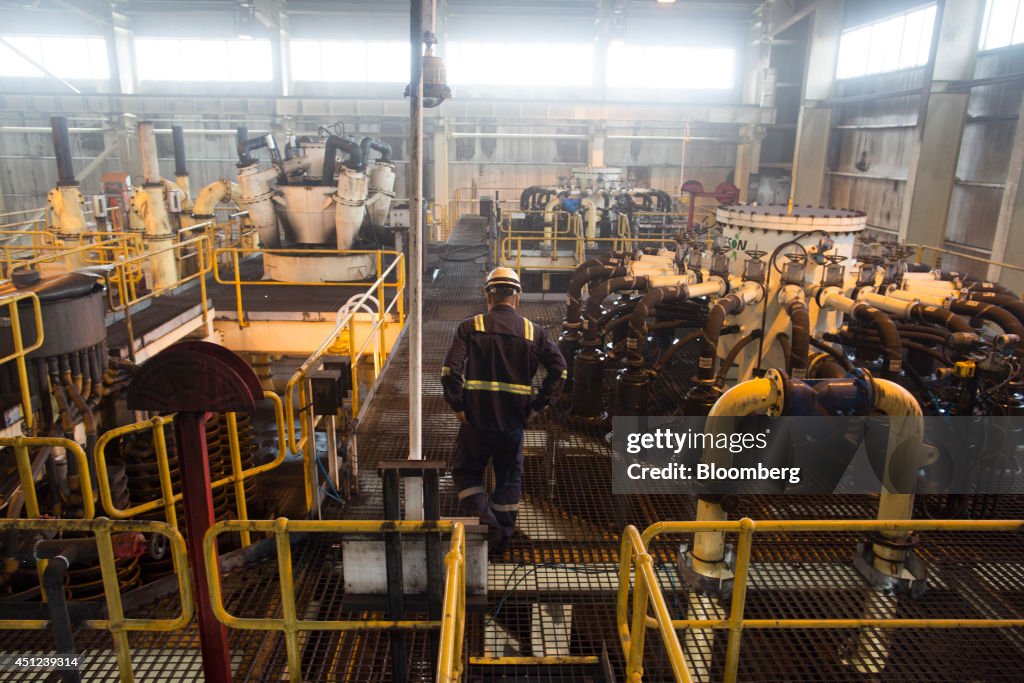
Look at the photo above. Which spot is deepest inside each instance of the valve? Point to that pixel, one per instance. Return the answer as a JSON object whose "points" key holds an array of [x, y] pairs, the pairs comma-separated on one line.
{"points": [[793, 271], [753, 267], [835, 271], [868, 270], [720, 262]]}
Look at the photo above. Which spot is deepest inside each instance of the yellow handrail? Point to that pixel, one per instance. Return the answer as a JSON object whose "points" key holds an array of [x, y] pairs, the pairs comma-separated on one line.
{"points": [[168, 497], [20, 350], [647, 582], [451, 624], [118, 279], [295, 443], [116, 623], [21, 446]]}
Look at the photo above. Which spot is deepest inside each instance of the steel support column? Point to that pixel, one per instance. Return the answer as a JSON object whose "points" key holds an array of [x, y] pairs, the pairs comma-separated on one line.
{"points": [[815, 122], [932, 172]]}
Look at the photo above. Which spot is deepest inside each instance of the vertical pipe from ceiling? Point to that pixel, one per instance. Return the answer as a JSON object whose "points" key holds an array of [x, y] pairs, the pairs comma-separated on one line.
{"points": [[414, 495]]}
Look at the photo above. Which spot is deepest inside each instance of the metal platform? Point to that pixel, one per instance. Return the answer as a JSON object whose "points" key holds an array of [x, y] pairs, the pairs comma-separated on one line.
{"points": [[552, 594]]}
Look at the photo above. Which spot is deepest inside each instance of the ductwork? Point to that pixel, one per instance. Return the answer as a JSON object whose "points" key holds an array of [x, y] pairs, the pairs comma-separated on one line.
{"points": [[218, 191], [354, 156]]}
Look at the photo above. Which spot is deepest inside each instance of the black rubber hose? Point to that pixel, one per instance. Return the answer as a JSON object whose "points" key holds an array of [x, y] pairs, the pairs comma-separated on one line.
{"points": [[800, 323], [730, 358], [1000, 316], [723, 308], [334, 144], [247, 145], [977, 286], [586, 278], [827, 369], [887, 332], [941, 316], [1012, 305], [658, 295], [838, 356], [603, 291], [672, 350], [368, 143]]}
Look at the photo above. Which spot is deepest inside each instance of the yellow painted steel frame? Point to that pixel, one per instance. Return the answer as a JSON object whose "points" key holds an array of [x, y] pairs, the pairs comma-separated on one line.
{"points": [[297, 389], [20, 349], [452, 623], [116, 622], [21, 446], [647, 589], [168, 498]]}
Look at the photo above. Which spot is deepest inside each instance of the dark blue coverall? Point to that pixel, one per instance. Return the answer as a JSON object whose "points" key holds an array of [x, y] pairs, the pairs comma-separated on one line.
{"points": [[488, 374]]}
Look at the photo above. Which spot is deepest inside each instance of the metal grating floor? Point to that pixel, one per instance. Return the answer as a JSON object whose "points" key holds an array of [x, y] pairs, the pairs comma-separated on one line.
{"points": [[553, 592]]}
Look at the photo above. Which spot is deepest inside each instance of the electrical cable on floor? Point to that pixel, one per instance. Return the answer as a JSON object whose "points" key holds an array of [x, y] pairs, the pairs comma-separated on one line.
{"points": [[333, 493], [544, 565]]}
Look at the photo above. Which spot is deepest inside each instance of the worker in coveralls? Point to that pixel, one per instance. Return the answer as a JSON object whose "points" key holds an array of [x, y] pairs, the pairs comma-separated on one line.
{"points": [[487, 378]]}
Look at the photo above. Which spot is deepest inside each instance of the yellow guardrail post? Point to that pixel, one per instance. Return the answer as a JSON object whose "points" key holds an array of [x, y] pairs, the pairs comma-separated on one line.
{"points": [[238, 289], [112, 592], [739, 599], [236, 472], [21, 445], [288, 614]]}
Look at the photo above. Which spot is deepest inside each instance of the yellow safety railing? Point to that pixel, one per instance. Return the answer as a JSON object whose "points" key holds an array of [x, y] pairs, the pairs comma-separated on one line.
{"points": [[27, 476], [123, 291], [465, 200], [237, 254], [633, 558], [636, 561], [116, 623], [297, 390], [102, 251], [939, 251], [168, 497], [452, 623], [21, 349]]}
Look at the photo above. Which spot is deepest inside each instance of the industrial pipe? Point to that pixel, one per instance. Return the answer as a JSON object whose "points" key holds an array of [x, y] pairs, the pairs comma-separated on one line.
{"points": [[994, 314], [181, 168], [153, 209], [354, 156], [66, 200], [1005, 301], [221, 190]]}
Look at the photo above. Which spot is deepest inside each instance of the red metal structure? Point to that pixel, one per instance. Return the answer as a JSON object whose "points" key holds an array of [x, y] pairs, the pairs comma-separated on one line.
{"points": [[193, 379]]}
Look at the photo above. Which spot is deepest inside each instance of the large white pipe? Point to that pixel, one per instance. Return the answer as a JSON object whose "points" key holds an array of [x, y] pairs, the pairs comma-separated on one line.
{"points": [[382, 186], [152, 203], [350, 206], [256, 198], [221, 190]]}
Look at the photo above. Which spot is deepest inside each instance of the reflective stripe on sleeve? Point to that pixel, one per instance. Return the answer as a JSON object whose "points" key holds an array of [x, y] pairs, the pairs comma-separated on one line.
{"points": [[529, 329], [445, 371], [509, 507], [478, 323]]}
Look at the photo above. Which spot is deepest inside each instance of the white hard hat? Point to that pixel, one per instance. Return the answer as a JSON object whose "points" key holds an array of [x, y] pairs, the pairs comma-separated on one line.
{"points": [[503, 277]]}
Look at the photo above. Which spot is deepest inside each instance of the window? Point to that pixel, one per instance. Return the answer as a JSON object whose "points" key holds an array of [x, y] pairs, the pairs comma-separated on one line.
{"points": [[66, 57], [501, 63], [898, 42], [678, 68], [1003, 25], [202, 59], [350, 61]]}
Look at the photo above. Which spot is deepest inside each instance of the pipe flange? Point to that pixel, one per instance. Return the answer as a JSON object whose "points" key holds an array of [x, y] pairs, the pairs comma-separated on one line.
{"points": [[378, 190], [913, 575], [777, 396], [159, 238]]}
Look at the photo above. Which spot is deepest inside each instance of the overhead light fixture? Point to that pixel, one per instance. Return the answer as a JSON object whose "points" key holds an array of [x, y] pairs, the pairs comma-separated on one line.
{"points": [[666, 2]]}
